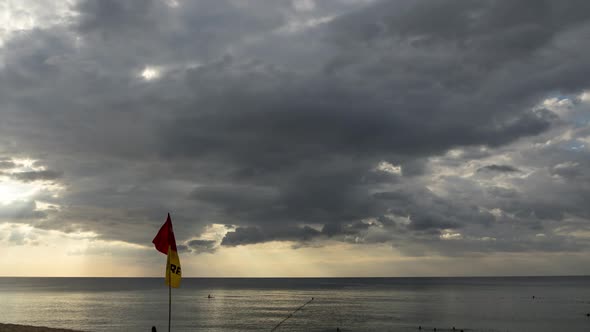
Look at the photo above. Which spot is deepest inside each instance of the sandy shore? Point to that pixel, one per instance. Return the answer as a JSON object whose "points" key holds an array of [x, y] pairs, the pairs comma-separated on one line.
{"points": [[25, 328]]}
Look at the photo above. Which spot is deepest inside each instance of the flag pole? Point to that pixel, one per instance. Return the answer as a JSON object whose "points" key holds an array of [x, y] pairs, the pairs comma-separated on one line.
{"points": [[166, 244], [169, 298]]}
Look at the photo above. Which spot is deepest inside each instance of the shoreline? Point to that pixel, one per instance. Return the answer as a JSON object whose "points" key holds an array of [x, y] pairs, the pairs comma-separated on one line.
{"points": [[29, 328]]}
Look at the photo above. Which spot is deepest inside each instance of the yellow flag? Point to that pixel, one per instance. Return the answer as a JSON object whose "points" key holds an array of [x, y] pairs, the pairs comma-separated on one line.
{"points": [[173, 271]]}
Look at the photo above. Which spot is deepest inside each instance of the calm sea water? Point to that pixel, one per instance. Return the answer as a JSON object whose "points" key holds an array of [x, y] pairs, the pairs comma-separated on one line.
{"points": [[353, 304]]}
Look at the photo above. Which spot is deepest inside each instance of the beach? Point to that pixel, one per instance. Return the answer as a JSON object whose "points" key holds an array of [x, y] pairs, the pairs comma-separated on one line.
{"points": [[26, 328]]}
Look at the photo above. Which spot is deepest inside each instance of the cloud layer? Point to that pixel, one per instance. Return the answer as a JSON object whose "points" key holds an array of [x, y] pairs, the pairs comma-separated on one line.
{"points": [[447, 127]]}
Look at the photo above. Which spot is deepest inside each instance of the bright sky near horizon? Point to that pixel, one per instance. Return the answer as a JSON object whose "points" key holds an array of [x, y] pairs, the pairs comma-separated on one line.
{"points": [[295, 138]]}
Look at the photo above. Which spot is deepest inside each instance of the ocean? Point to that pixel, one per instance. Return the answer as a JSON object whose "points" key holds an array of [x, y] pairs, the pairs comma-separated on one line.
{"points": [[520, 304]]}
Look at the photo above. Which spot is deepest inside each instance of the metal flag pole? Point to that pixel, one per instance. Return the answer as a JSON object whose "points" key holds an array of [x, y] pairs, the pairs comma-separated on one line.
{"points": [[169, 295], [165, 242]]}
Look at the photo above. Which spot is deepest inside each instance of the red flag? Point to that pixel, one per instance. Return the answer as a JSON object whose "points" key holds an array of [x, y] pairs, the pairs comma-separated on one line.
{"points": [[165, 237], [166, 244]]}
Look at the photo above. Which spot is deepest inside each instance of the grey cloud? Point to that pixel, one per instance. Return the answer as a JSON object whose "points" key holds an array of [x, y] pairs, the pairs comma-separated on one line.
{"points": [[235, 132], [36, 175], [22, 211], [202, 246], [499, 168], [182, 248], [238, 198], [251, 235], [151, 31], [7, 164], [478, 246], [506, 193], [430, 211], [570, 170]]}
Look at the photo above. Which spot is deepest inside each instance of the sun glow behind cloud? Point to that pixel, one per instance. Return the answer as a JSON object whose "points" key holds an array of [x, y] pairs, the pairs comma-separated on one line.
{"points": [[150, 73], [69, 254], [18, 16], [13, 190]]}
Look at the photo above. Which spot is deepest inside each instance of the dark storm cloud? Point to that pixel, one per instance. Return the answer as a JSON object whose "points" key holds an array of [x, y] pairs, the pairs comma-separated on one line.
{"points": [[572, 171], [152, 31], [202, 246], [239, 198], [498, 168], [36, 175], [182, 248], [252, 234], [284, 145], [428, 211]]}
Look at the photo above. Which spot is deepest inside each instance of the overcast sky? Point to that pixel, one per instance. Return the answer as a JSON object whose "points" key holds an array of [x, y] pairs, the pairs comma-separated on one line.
{"points": [[295, 138]]}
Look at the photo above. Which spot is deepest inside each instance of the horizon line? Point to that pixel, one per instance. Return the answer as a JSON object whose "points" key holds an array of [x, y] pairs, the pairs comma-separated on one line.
{"points": [[316, 277]]}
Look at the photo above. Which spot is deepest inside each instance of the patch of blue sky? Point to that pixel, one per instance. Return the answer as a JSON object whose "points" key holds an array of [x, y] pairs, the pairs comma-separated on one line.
{"points": [[574, 145], [581, 119]]}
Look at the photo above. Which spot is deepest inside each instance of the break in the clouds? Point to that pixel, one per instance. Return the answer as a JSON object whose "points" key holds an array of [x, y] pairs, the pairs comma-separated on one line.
{"points": [[434, 127]]}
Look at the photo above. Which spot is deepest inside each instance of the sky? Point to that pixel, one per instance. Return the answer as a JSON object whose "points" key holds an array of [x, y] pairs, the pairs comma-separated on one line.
{"points": [[295, 138]]}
